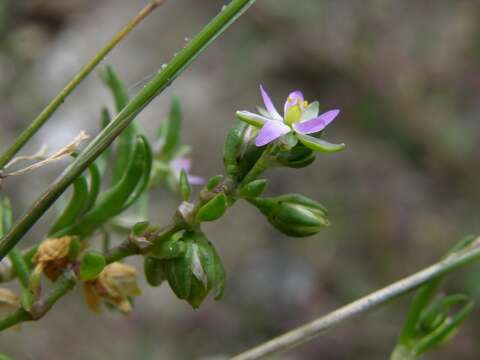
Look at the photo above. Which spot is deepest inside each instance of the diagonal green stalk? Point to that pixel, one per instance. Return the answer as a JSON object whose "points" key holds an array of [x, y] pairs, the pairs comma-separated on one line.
{"points": [[161, 81], [48, 111], [370, 302]]}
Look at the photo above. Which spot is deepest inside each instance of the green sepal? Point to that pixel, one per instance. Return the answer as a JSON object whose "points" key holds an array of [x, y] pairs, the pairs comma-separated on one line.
{"points": [[169, 249], [91, 265], [319, 144], [213, 267], [179, 274], [154, 271], [214, 181], [253, 189], [213, 209], [184, 185], [299, 156], [251, 119]]}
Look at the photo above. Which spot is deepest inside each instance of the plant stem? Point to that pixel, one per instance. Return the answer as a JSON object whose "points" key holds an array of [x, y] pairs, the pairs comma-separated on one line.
{"points": [[161, 81], [18, 316], [48, 111], [129, 248], [372, 301]]}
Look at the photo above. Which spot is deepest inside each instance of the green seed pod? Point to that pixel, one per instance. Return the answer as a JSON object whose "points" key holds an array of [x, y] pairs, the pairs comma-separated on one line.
{"points": [[154, 271], [298, 157], [293, 214], [198, 271]]}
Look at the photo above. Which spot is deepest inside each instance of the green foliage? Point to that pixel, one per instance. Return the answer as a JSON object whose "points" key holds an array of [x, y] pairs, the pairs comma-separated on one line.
{"points": [[91, 265], [214, 208]]}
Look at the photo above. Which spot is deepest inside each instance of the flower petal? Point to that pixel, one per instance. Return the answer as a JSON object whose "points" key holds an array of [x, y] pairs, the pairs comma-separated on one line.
{"points": [[319, 145], [270, 131], [311, 111], [195, 180], [295, 97], [181, 163], [317, 124], [269, 105], [252, 118]]}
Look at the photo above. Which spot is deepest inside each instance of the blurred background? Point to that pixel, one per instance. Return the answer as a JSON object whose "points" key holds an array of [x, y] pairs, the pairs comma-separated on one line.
{"points": [[406, 77]]}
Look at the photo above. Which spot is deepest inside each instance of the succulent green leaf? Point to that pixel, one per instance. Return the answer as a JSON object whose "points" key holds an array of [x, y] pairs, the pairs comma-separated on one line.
{"points": [[117, 87], [213, 209], [254, 189], [91, 265], [94, 185], [172, 131], [214, 182], [74, 208], [319, 144]]}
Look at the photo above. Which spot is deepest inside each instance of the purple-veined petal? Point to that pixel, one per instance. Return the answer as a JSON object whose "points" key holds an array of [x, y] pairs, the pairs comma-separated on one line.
{"points": [[295, 97], [270, 131], [311, 112], [317, 124], [252, 118], [269, 105], [195, 180]]}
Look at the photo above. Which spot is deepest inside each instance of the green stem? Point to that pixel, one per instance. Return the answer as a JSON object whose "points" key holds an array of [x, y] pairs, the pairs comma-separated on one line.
{"points": [[23, 273], [161, 81], [263, 163], [17, 317], [129, 248], [372, 301], [62, 286], [46, 113]]}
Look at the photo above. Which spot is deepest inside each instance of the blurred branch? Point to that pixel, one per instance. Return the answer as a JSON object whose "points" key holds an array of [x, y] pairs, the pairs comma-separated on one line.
{"points": [[372, 301], [160, 82], [43, 117]]}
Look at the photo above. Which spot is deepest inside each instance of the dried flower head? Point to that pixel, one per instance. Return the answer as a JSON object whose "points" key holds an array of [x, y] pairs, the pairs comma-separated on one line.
{"points": [[115, 284], [52, 257], [8, 301]]}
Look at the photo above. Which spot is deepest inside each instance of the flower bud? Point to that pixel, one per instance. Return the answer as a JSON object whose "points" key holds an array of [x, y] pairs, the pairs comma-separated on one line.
{"points": [[198, 271], [115, 285], [293, 214], [52, 256]]}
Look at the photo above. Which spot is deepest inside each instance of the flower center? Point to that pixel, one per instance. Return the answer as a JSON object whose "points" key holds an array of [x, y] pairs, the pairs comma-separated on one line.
{"points": [[294, 112]]}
